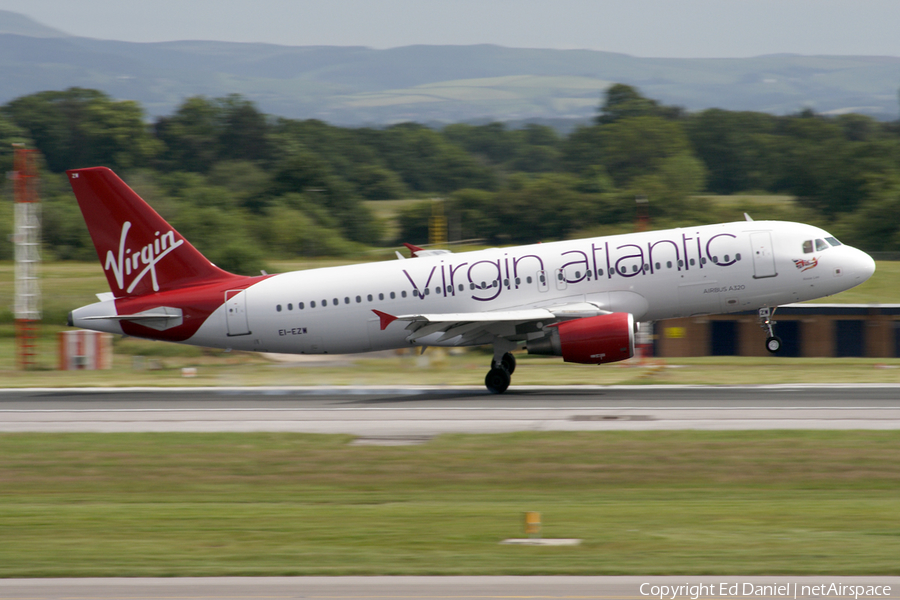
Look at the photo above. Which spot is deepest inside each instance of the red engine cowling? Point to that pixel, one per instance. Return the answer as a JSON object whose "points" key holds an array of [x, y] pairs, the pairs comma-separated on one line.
{"points": [[592, 340]]}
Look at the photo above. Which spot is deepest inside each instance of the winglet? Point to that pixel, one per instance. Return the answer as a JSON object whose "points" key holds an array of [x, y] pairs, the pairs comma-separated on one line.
{"points": [[386, 319], [414, 250]]}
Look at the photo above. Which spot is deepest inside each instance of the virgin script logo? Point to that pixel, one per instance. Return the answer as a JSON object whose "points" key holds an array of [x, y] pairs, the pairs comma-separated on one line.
{"points": [[129, 261]]}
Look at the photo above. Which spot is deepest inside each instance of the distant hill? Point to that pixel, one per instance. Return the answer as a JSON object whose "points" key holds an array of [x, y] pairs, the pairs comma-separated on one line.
{"points": [[15, 23], [356, 85]]}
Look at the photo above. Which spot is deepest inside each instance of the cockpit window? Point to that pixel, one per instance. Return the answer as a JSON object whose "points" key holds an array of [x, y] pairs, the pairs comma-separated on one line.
{"points": [[807, 247], [821, 245], [833, 241]]}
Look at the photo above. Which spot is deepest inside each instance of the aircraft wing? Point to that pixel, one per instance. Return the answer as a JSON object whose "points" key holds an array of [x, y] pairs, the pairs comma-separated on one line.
{"points": [[469, 327]]}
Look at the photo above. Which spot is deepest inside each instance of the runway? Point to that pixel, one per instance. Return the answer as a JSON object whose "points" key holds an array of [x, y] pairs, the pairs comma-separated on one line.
{"points": [[450, 588], [408, 413]]}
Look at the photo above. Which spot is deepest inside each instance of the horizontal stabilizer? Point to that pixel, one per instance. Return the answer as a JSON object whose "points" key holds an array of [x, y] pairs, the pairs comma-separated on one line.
{"points": [[162, 318]]}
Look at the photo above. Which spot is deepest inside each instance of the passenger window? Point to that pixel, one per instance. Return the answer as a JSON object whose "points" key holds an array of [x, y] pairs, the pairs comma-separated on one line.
{"points": [[369, 297], [529, 279], [290, 306], [807, 247], [668, 264], [358, 299], [821, 245], [393, 295], [324, 302], [346, 299], [278, 308], [403, 294], [300, 305], [381, 296], [312, 304]]}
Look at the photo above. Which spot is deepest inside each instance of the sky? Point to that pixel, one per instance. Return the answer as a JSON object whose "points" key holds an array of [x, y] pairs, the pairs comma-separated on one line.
{"points": [[647, 28]]}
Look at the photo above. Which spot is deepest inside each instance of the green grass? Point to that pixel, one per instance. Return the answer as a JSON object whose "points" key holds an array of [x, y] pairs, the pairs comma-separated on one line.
{"points": [[292, 504], [512, 91]]}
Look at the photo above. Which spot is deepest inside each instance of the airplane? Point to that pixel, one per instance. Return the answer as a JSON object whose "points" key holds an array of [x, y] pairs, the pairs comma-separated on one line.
{"points": [[579, 299]]}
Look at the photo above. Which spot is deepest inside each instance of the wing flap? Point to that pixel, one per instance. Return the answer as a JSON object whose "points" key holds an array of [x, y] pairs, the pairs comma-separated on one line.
{"points": [[528, 314], [465, 327]]}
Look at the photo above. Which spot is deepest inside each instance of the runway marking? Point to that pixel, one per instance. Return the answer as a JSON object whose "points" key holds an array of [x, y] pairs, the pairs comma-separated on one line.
{"points": [[369, 390], [437, 408]]}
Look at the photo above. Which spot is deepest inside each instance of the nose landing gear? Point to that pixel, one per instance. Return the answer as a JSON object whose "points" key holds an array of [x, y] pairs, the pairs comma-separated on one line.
{"points": [[773, 342]]}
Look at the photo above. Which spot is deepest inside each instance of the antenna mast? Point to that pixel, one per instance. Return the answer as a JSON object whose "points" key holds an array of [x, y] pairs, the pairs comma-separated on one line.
{"points": [[27, 238]]}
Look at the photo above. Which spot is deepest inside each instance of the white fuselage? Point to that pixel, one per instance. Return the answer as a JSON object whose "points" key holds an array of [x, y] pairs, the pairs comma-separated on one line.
{"points": [[653, 275]]}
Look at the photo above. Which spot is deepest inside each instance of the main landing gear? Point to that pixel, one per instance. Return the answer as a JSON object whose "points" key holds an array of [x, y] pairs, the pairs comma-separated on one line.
{"points": [[500, 375], [773, 342]]}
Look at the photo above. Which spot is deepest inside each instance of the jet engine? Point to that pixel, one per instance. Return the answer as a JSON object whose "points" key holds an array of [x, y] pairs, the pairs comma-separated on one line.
{"points": [[591, 340]]}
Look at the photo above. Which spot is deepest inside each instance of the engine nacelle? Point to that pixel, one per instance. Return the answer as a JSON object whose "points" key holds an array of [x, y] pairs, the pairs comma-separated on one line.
{"points": [[592, 340]]}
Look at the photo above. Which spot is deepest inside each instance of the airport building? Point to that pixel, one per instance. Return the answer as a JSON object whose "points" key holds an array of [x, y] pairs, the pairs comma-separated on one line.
{"points": [[806, 330]]}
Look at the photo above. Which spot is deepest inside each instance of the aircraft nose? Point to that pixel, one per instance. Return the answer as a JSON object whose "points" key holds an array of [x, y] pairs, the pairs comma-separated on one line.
{"points": [[863, 266]]}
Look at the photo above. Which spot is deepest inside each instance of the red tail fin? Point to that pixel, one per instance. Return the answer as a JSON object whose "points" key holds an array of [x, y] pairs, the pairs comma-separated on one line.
{"points": [[140, 252]]}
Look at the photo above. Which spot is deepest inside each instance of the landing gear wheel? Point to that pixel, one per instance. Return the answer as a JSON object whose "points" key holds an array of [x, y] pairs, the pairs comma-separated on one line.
{"points": [[773, 342], [497, 380], [508, 362]]}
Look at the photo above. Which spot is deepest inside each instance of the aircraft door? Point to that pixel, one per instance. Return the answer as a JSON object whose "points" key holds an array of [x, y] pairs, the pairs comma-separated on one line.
{"points": [[763, 255], [236, 313]]}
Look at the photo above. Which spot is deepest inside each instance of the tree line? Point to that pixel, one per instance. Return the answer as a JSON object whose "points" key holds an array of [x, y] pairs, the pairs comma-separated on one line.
{"points": [[243, 185]]}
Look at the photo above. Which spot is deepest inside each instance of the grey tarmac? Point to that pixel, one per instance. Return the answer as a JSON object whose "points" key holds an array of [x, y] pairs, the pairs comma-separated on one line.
{"points": [[443, 588], [426, 411]]}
